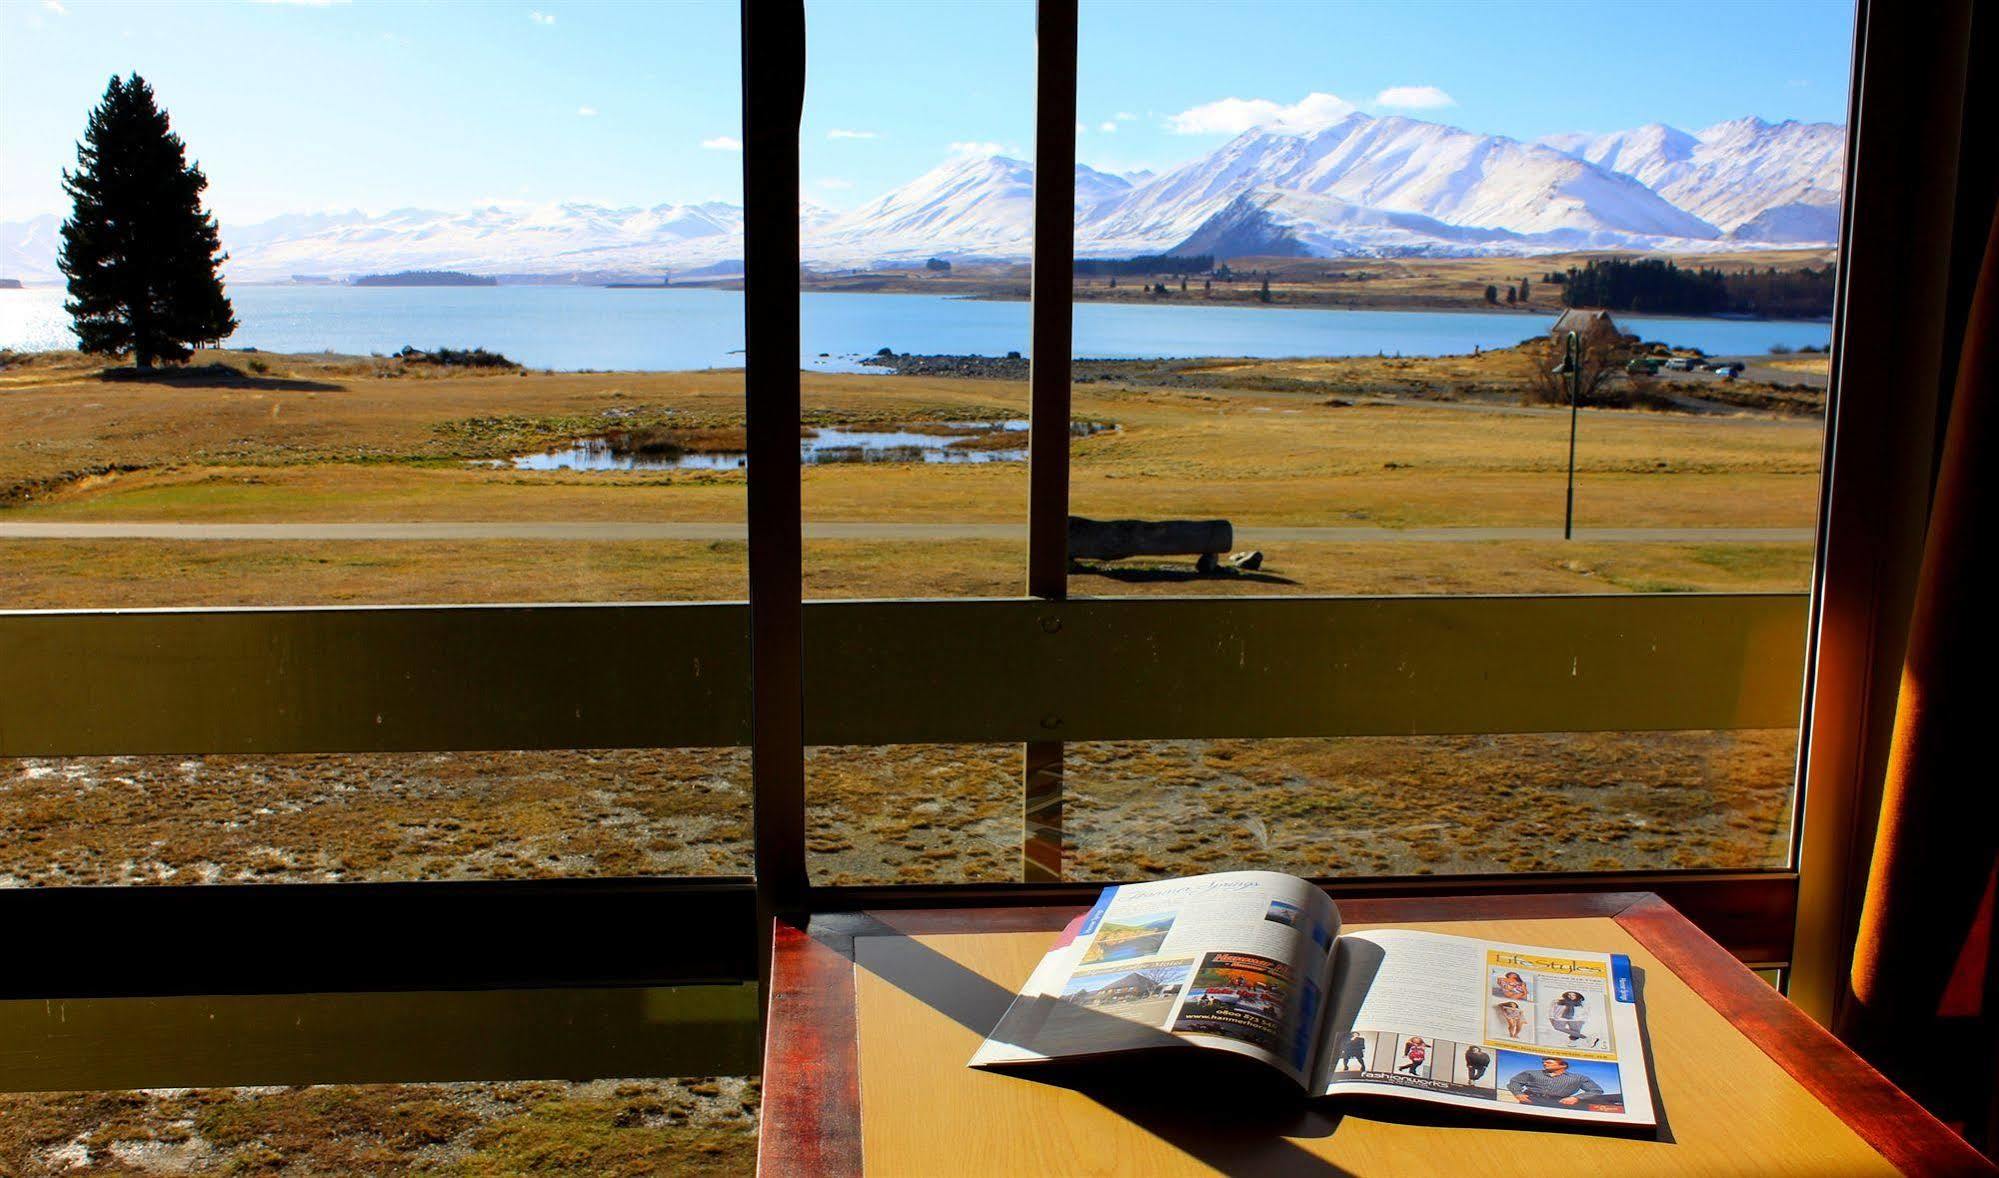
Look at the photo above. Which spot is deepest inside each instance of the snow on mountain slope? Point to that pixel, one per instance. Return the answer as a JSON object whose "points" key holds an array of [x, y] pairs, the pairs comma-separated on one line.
{"points": [[1094, 188], [1283, 222], [28, 248], [981, 205], [1404, 165], [1758, 181]]}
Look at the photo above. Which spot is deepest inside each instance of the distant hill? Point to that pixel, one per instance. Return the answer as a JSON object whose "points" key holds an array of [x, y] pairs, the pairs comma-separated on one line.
{"points": [[427, 278]]}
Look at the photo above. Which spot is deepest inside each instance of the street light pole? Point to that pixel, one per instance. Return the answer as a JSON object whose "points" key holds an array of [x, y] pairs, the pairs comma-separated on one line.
{"points": [[1572, 363]]}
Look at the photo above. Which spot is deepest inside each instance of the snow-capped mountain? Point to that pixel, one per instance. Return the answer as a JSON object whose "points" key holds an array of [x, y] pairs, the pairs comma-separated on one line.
{"points": [[1403, 165], [1286, 222], [554, 238], [1757, 181], [28, 248], [969, 205], [1360, 185]]}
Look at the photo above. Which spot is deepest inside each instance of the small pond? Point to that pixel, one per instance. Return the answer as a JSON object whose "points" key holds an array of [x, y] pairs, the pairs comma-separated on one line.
{"points": [[947, 441]]}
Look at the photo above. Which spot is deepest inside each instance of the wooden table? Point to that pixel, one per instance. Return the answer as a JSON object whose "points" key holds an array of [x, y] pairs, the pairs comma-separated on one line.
{"points": [[873, 1015]]}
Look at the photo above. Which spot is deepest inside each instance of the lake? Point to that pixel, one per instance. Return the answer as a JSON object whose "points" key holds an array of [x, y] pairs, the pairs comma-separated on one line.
{"points": [[576, 327]]}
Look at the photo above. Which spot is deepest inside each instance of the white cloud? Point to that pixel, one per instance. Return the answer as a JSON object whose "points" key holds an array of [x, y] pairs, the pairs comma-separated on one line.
{"points": [[834, 183], [1081, 129], [56, 7], [541, 18], [968, 147], [1232, 116], [588, 112], [1125, 116], [1414, 97], [1107, 127], [844, 133], [723, 143]]}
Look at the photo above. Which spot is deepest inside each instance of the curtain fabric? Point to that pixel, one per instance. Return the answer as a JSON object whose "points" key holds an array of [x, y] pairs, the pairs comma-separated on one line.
{"points": [[1919, 1004]]}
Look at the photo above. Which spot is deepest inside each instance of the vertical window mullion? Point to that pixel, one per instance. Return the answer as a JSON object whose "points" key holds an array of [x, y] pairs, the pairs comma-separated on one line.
{"points": [[773, 47], [1052, 292]]}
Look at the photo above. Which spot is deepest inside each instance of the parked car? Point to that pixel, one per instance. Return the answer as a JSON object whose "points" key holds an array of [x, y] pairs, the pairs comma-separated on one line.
{"points": [[1648, 365], [1680, 364], [1725, 369]]}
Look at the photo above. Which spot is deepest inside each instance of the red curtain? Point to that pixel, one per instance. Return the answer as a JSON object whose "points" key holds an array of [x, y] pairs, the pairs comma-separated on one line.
{"points": [[1919, 1006]]}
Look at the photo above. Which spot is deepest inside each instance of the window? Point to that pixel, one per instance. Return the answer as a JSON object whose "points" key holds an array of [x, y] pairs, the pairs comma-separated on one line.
{"points": [[1128, 719]]}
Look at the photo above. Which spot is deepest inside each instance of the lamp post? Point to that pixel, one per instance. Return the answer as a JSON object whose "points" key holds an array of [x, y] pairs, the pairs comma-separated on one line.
{"points": [[1571, 367]]}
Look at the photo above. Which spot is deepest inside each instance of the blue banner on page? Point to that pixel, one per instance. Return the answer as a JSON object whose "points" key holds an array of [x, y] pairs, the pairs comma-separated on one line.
{"points": [[1620, 978], [1095, 915]]}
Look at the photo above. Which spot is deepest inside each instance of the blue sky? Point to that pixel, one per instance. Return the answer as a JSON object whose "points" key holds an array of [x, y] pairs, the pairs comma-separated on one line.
{"points": [[296, 106]]}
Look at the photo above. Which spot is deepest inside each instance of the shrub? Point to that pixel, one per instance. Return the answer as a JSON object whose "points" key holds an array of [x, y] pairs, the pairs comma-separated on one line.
{"points": [[456, 358]]}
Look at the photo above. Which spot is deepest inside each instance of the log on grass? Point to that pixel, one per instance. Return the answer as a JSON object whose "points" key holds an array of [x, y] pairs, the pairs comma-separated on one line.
{"points": [[1115, 539]]}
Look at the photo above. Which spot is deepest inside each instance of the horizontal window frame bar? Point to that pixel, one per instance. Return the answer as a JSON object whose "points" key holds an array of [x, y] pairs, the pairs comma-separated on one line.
{"points": [[624, 931], [373, 1037], [1750, 913], [283, 938], [1011, 670]]}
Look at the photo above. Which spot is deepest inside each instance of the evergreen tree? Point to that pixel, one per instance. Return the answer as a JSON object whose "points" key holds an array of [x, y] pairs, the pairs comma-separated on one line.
{"points": [[1264, 294], [1491, 293], [141, 254], [1523, 289], [1511, 296]]}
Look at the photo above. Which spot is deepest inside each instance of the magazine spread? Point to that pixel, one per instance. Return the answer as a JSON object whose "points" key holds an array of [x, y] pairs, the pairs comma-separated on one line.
{"points": [[1255, 963]]}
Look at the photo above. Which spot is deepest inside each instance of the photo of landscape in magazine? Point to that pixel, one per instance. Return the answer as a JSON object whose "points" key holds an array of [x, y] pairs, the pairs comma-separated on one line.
{"points": [[1354, 315]]}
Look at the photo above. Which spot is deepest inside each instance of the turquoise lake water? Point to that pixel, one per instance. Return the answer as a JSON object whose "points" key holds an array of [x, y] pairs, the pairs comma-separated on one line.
{"points": [[574, 327]]}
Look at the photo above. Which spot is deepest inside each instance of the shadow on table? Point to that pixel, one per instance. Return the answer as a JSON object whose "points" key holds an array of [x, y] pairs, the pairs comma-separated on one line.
{"points": [[1264, 1109]]}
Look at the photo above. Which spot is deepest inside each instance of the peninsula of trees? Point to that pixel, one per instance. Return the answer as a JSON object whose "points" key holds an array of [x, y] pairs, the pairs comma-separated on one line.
{"points": [[426, 278]]}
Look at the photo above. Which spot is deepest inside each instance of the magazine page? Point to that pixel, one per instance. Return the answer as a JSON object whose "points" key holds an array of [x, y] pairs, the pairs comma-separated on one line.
{"points": [[1236, 961], [1544, 1032]]}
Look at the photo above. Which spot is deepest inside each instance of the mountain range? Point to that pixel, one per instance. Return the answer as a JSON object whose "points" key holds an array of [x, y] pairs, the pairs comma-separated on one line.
{"points": [[1361, 186]]}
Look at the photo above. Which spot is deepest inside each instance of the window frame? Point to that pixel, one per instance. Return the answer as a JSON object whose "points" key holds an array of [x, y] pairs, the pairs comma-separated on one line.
{"points": [[258, 699]]}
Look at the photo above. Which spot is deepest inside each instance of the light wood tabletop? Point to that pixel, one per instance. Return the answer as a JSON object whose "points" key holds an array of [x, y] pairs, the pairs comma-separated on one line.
{"points": [[873, 1016]]}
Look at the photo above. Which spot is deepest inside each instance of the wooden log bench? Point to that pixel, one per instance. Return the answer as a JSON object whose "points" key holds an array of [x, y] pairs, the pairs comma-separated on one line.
{"points": [[1116, 539]]}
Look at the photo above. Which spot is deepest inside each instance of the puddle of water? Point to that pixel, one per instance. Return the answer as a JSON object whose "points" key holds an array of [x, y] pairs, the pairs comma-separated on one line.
{"points": [[942, 442]]}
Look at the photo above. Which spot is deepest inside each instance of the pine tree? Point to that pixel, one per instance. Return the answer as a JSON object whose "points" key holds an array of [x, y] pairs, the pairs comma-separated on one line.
{"points": [[141, 254], [1264, 294], [1491, 293], [1523, 288]]}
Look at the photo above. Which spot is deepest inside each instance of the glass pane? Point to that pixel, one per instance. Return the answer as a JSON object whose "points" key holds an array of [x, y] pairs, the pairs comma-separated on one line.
{"points": [[484, 326], [1328, 316], [374, 817], [914, 813], [697, 1126], [1356, 806], [488, 348], [917, 229], [1595, 801]]}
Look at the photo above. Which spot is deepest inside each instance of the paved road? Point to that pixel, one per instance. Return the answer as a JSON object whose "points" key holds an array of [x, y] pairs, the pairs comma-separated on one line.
{"points": [[893, 532]]}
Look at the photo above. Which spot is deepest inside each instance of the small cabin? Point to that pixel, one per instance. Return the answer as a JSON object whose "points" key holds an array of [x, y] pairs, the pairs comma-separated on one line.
{"points": [[1589, 326]]}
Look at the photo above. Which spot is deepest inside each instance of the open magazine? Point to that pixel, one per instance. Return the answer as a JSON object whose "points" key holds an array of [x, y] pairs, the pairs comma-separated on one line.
{"points": [[1255, 963]]}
